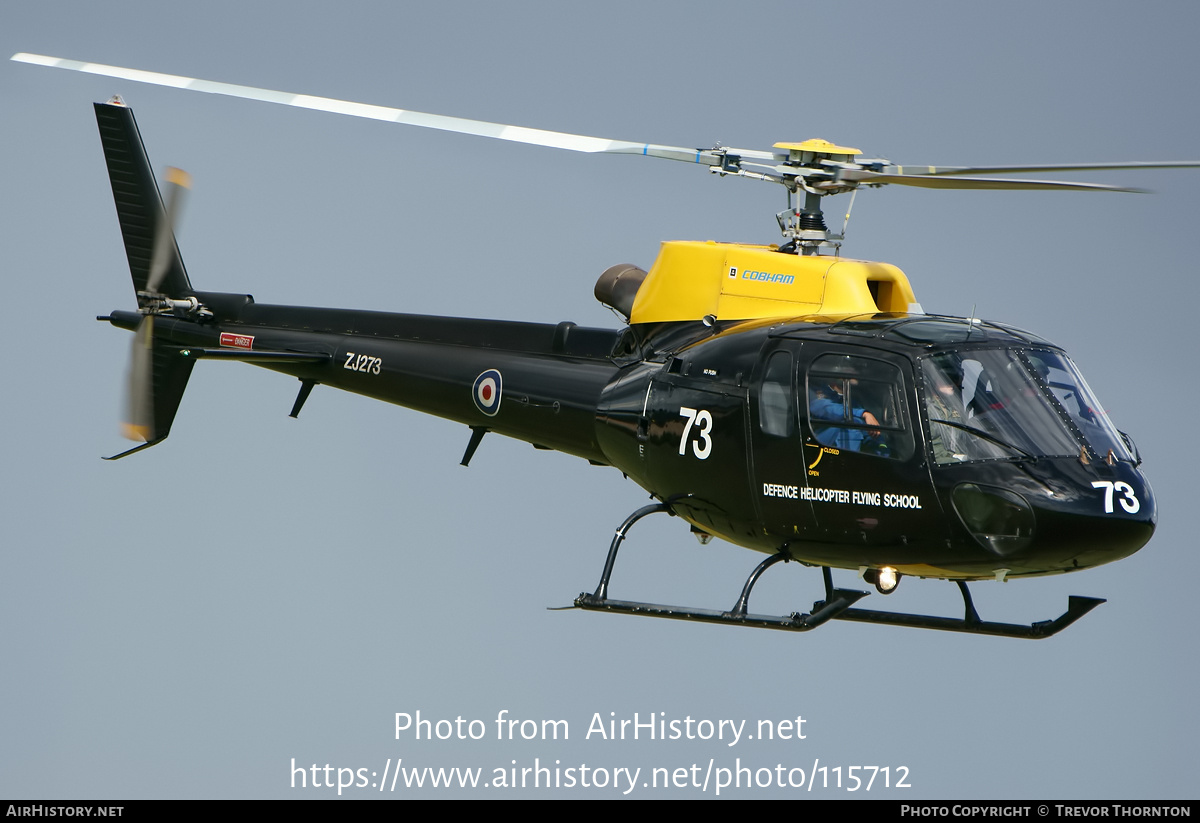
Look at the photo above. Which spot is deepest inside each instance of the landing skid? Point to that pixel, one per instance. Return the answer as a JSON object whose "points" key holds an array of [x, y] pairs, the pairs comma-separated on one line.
{"points": [[821, 613], [1077, 607], [836, 605]]}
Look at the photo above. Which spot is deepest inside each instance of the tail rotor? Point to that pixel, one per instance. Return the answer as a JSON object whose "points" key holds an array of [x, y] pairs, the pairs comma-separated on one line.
{"points": [[157, 374]]}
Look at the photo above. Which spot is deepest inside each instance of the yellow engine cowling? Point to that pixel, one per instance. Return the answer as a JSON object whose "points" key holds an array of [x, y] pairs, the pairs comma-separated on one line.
{"points": [[693, 280]]}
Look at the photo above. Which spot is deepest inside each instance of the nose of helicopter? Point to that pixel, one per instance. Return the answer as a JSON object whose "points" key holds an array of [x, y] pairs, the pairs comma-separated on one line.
{"points": [[1092, 518], [1115, 520]]}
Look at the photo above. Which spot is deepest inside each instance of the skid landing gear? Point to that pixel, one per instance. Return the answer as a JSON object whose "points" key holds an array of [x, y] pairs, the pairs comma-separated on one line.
{"points": [[836, 605], [836, 600], [1077, 607]]}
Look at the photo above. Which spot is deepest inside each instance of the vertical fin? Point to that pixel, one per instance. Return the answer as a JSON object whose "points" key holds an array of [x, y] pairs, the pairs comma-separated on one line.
{"points": [[139, 204], [159, 375]]}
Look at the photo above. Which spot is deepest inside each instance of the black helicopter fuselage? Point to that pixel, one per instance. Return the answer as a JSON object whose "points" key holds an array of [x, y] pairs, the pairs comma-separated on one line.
{"points": [[798, 405], [725, 422], [732, 430]]}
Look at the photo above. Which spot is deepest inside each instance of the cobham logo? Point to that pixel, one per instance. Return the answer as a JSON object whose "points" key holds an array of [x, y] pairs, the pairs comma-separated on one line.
{"points": [[237, 341]]}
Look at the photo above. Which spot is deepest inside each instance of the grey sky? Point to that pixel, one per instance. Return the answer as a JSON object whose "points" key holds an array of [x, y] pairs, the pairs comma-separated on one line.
{"points": [[257, 589]]}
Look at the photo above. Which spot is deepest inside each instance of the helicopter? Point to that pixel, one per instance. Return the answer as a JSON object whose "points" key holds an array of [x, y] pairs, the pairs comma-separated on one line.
{"points": [[779, 397]]}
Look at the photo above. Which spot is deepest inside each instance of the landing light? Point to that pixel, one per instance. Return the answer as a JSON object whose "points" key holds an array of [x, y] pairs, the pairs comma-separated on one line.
{"points": [[885, 579], [888, 580]]}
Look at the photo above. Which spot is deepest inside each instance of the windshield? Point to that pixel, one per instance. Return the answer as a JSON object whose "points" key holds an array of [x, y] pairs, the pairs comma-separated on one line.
{"points": [[1061, 377], [990, 404]]}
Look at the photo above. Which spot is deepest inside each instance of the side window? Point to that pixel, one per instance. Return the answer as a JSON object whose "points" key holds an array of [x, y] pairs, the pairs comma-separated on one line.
{"points": [[774, 396], [857, 404]]}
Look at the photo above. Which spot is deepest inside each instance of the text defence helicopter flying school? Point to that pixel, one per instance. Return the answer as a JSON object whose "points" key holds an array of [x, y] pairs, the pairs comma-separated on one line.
{"points": [[796, 403]]}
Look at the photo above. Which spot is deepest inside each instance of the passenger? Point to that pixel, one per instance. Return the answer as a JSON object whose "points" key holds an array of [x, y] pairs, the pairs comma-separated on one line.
{"points": [[826, 402]]}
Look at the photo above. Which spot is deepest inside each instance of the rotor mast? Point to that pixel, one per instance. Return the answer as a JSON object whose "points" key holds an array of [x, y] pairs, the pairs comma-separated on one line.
{"points": [[811, 167]]}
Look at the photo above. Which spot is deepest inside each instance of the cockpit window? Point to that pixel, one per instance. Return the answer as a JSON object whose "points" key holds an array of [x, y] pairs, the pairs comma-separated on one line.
{"points": [[989, 404], [1076, 399], [856, 403]]}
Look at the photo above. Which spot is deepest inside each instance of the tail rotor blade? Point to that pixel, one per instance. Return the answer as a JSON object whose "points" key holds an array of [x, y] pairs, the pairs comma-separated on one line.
{"points": [[178, 181], [139, 415], [147, 419]]}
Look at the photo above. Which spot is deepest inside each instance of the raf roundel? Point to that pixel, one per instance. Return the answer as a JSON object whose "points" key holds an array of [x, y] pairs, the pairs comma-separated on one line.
{"points": [[487, 391]]}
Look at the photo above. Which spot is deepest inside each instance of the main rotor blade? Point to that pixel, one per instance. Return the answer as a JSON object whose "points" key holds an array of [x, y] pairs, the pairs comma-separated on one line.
{"points": [[459, 125], [816, 179], [933, 181], [954, 170]]}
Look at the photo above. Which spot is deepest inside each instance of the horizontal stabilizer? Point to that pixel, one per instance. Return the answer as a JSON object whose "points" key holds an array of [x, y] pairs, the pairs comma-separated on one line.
{"points": [[243, 356]]}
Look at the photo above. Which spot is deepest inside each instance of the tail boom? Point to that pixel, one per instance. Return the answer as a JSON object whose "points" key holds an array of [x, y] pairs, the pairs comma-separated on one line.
{"points": [[548, 378]]}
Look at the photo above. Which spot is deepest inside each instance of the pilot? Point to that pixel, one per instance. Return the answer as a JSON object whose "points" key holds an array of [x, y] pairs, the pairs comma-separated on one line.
{"points": [[943, 401], [827, 402]]}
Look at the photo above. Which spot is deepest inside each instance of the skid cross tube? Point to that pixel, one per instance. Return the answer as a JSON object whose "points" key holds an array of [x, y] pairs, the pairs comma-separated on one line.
{"points": [[739, 609], [611, 560]]}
